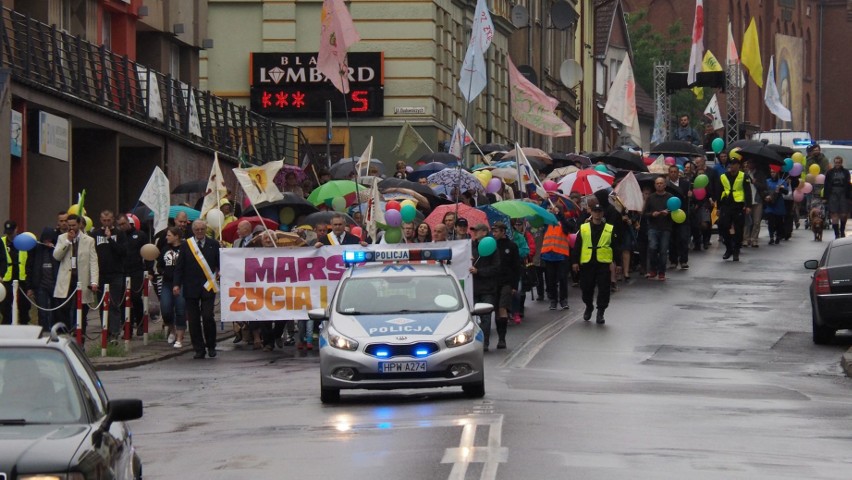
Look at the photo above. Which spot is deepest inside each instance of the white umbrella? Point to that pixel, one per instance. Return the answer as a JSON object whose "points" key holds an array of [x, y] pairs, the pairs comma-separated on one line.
{"points": [[585, 182]]}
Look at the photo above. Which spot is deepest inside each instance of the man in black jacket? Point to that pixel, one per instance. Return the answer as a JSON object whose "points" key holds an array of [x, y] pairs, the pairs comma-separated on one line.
{"points": [[41, 276], [196, 277], [679, 244], [134, 267], [591, 257], [111, 247], [338, 234], [508, 277], [485, 287]]}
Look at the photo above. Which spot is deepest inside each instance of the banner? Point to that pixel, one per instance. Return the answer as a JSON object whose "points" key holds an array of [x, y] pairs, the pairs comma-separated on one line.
{"points": [[337, 34], [472, 79], [257, 182], [621, 101], [771, 96], [460, 139], [532, 108], [697, 51], [284, 283], [156, 197]]}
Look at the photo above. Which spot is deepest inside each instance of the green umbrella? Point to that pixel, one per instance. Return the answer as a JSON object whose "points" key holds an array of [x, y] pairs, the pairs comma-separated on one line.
{"points": [[334, 189], [527, 210]]}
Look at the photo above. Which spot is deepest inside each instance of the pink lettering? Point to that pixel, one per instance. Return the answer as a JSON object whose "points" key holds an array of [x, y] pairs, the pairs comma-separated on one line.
{"points": [[311, 269], [259, 270]]}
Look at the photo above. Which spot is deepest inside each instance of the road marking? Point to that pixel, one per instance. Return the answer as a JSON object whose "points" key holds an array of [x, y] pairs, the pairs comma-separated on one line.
{"points": [[523, 355], [491, 456]]}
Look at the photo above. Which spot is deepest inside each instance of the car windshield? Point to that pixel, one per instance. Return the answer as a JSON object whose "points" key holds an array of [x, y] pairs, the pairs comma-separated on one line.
{"points": [[37, 387], [399, 294]]}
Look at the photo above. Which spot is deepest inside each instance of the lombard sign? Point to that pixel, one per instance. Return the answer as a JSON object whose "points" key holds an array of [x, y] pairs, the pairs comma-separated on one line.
{"points": [[290, 85]]}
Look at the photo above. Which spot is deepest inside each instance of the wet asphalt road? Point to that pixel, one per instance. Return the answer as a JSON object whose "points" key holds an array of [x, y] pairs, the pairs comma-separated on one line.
{"points": [[711, 374]]}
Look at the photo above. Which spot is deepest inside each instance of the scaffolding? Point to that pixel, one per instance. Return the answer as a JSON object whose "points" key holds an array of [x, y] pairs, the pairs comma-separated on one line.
{"points": [[662, 102], [734, 102]]}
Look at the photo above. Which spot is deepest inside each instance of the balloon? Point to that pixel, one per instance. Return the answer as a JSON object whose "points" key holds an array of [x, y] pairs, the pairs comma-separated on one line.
{"points": [[25, 242], [670, 161], [487, 246], [679, 216], [393, 218], [135, 220], [2, 292], [550, 186], [74, 210], [808, 178], [788, 164], [718, 145], [484, 177], [799, 158], [699, 193], [215, 218], [796, 170], [601, 168], [357, 231], [798, 196], [701, 181], [392, 205], [393, 235], [673, 204], [89, 225], [494, 185], [246, 203], [807, 188], [287, 215], [338, 204], [647, 160], [408, 213], [735, 153], [814, 169], [149, 252], [408, 201], [820, 179], [572, 239]]}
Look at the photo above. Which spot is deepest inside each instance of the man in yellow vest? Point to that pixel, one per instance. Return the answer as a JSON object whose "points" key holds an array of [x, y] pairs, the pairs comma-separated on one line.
{"points": [[734, 201], [591, 257], [16, 269]]}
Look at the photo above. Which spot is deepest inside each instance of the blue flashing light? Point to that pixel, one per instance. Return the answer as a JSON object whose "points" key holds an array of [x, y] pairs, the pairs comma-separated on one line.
{"points": [[802, 141], [398, 255], [382, 353], [421, 352], [354, 256]]}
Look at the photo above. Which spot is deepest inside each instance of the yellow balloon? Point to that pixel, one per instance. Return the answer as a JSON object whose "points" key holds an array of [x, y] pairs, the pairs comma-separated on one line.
{"points": [[486, 175], [799, 158], [75, 210], [814, 169], [287, 215], [89, 223], [735, 153], [408, 201]]}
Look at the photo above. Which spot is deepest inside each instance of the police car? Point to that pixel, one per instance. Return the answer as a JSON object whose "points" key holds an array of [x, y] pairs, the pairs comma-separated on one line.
{"points": [[400, 319]]}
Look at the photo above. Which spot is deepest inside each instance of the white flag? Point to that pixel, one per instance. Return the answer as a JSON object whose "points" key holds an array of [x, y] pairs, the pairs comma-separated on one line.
{"points": [[461, 138], [733, 58], [156, 197], [696, 55], [215, 188], [621, 101], [374, 214], [629, 193], [527, 172], [472, 78], [712, 113], [364, 161], [150, 91], [771, 96], [257, 182], [194, 122]]}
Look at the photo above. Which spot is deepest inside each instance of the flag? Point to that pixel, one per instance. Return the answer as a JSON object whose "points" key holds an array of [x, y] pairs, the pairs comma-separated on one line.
{"points": [[751, 54], [215, 188], [407, 142], [337, 34], [771, 96], [533, 108], [733, 56], [363, 163], [712, 113], [697, 52], [257, 182], [621, 101], [524, 163], [374, 214], [461, 138], [710, 64], [194, 126], [472, 78], [156, 197], [629, 193]]}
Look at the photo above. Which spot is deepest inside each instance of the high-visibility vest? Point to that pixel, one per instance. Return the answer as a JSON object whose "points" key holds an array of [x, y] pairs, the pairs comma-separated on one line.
{"points": [[739, 194], [604, 244], [22, 262], [555, 241]]}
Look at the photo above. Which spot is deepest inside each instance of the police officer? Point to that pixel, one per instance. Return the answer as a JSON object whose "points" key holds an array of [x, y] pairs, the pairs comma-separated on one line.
{"points": [[591, 257], [734, 201], [16, 269]]}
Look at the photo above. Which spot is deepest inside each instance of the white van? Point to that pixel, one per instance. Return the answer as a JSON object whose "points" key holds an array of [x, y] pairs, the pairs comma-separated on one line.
{"points": [[787, 138], [831, 149]]}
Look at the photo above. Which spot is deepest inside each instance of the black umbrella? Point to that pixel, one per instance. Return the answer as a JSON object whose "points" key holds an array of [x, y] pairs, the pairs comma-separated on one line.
{"points": [[195, 186], [565, 159], [761, 153], [442, 157], [624, 160], [424, 171], [744, 143], [425, 190], [292, 200], [317, 218], [781, 150], [646, 179], [677, 148], [491, 148]]}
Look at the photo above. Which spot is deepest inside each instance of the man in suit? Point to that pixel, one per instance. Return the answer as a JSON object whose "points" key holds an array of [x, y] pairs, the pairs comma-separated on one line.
{"points": [[196, 275], [244, 234], [78, 262], [338, 234]]}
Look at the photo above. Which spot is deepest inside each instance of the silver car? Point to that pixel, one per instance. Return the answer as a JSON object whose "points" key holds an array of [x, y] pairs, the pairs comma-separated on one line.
{"points": [[400, 325]]}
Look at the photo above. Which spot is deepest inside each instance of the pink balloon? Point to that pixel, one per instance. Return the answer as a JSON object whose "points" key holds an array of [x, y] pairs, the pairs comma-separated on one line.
{"points": [[796, 170], [798, 196], [357, 232], [572, 239], [393, 218], [670, 161], [807, 188], [699, 193], [494, 185], [820, 180], [550, 186]]}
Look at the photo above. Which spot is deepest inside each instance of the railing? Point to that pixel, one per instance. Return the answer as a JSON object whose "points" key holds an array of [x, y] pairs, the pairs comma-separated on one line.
{"points": [[45, 58]]}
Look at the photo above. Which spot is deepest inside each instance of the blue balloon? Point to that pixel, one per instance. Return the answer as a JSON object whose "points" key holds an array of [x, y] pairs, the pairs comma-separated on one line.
{"points": [[788, 164], [673, 204], [25, 242]]}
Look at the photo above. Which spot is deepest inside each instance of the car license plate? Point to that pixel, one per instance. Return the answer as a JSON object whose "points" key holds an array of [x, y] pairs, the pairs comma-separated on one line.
{"points": [[402, 367]]}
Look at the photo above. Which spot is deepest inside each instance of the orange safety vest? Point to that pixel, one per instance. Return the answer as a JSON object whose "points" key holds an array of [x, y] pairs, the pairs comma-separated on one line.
{"points": [[555, 240]]}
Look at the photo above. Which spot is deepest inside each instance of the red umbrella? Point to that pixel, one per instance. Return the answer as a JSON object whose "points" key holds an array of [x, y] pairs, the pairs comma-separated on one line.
{"points": [[229, 233], [472, 215]]}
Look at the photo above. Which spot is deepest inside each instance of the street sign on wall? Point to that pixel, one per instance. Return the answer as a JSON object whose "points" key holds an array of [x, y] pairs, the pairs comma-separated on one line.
{"points": [[288, 85]]}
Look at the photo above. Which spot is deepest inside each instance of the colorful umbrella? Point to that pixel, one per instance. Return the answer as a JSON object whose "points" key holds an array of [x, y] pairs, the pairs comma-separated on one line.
{"points": [[333, 189], [494, 215], [229, 232], [560, 172], [528, 210], [191, 213], [451, 178], [280, 179], [424, 171], [472, 215], [531, 153], [585, 182]]}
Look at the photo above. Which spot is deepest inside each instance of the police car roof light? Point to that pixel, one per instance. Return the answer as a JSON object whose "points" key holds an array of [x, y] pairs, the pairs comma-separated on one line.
{"points": [[397, 255]]}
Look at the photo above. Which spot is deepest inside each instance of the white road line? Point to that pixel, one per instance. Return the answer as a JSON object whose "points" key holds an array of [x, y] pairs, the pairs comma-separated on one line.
{"points": [[523, 355], [491, 456]]}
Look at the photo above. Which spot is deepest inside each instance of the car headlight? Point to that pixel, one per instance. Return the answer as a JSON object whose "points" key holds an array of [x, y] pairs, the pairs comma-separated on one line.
{"points": [[462, 337], [52, 476], [337, 340]]}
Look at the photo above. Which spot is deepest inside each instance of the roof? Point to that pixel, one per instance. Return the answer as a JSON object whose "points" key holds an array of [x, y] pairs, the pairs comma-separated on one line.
{"points": [[644, 103], [609, 15]]}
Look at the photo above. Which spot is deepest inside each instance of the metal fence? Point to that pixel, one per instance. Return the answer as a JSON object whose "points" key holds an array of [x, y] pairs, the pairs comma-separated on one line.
{"points": [[45, 58]]}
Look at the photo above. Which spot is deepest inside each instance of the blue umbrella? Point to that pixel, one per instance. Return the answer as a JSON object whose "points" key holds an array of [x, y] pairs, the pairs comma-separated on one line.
{"points": [[424, 171], [494, 215]]}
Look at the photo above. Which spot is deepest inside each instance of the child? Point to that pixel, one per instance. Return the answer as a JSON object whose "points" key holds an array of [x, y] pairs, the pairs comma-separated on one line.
{"points": [[816, 218]]}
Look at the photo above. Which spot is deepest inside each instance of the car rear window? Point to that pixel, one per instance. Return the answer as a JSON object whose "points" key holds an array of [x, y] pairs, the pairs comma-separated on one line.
{"points": [[840, 255]]}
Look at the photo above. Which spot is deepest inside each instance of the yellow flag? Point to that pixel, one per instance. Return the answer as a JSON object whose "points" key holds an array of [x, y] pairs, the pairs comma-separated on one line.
{"points": [[750, 57], [709, 64]]}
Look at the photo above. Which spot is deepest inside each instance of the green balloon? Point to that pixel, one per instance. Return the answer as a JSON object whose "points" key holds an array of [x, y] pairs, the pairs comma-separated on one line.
{"points": [[718, 145], [701, 181], [393, 235], [679, 216], [338, 204], [408, 213], [487, 246]]}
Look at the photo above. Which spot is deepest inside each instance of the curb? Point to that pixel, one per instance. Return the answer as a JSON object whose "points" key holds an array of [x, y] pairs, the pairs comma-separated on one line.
{"points": [[120, 363], [846, 362]]}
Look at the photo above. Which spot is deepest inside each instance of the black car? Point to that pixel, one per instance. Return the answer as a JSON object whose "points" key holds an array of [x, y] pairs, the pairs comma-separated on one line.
{"points": [[831, 290], [56, 421]]}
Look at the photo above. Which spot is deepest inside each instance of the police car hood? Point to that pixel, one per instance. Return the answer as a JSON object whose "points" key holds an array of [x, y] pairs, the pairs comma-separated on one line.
{"points": [[40, 448], [429, 324]]}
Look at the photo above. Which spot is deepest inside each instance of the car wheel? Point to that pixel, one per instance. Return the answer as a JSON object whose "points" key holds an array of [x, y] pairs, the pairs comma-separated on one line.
{"points": [[822, 335], [329, 395], [474, 390]]}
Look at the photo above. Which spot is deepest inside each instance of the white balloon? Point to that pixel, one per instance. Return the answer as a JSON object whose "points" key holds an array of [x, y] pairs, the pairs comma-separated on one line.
{"points": [[2, 292], [215, 218]]}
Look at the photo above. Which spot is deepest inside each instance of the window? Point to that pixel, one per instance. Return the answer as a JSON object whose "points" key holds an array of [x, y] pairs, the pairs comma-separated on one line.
{"points": [[391, 294], [107, 31]]}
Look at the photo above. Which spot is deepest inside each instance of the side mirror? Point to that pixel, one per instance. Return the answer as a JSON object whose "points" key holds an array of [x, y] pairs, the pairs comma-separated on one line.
{"points": [[117, 411], [482, 309], [811, 264], [317, 314]]}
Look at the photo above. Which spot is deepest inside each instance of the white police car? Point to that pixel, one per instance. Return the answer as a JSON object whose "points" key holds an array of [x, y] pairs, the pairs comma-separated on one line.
{"points": [[399, 319]]}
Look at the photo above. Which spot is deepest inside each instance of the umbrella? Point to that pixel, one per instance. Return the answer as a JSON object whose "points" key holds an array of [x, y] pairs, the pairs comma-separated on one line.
{"points": [[401, 194], [585, 182], [560, 158], [531, 153], [494, 215], [487, 148], [191, 213], [299, 205], [282, 239], [784, 152], [472, 215], [624, 160], [318, 218], [761, 153], [346, 167], [527, 210], [229, 232], [280, 177], [334, 189], [456, 177], [744, 143], [677, 148], [442, 157], [195, 186], [425, 190], [560, 172], [424, 171]]}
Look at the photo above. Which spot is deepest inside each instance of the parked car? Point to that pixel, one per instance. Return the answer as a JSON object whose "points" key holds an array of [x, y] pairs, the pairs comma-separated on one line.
{"points": [[56, 421], [831, 290]]}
